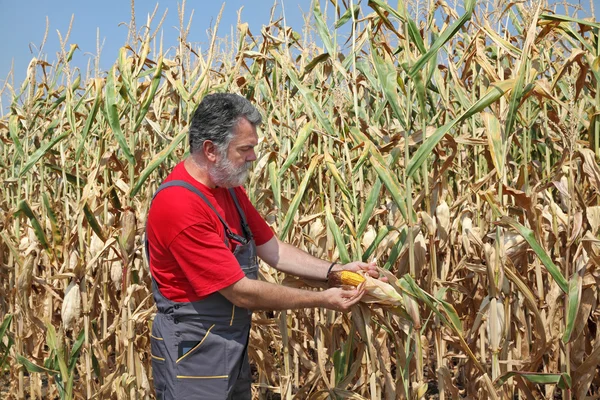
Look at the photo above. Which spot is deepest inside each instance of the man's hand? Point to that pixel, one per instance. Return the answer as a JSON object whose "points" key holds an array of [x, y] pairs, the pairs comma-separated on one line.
{"points": [[342, 299], [370, 268]]}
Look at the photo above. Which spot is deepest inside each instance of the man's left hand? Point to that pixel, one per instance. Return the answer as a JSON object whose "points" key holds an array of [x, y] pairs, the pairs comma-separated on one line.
{"points": [[370, 268]]}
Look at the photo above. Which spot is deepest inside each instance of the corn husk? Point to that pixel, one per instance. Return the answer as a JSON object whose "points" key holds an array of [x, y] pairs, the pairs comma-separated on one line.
{"points": [[379, 292], [71, 307]]}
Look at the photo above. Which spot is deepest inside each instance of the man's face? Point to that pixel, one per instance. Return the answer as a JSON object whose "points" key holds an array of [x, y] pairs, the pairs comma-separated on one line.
{"points": [[232, 167]]}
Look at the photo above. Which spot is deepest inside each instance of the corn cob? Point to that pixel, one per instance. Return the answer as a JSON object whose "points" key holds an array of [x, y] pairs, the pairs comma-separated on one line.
{"points": [[376, 291], [342, 278]]}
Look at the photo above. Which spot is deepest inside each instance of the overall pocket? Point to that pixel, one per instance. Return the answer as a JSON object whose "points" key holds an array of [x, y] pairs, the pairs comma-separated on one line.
{"points": [[159, 365], [201, 365]]}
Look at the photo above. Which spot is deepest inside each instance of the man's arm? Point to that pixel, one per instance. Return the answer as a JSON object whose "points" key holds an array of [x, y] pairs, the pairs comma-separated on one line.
{"points": [[258, 295], [291, 260]]}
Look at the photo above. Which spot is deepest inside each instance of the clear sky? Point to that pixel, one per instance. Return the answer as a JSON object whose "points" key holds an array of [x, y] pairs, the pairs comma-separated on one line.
{"points": [[23, 23]]}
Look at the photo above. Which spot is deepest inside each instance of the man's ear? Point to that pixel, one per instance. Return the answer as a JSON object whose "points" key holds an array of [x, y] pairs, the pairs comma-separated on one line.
{"points": [[210, 151]]}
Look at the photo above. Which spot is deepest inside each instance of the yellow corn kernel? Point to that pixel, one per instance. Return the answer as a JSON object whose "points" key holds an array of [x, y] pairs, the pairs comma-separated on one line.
{"points": [[341, 278]]}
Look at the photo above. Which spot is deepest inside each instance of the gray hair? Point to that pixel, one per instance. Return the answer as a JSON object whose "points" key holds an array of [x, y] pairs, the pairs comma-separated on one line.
{"points": [[216, 117]]}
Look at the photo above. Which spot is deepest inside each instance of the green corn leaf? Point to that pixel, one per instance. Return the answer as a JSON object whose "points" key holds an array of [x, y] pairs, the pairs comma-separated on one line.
{"points": [[562, 380], [31, 367], [35, 223], [330, 164], [370, 204], [76, 350], [337, 235], [544, 257], [112, 114], [90, 120], [573, 301], [397, 248], [316, 107], [56, 235], [402, 15], [448, 33], [41, 151], [381, 234], [91, 219], [493, 131], [72, 179], [351, 12], [427, 147], [322, 28], [524, 63], [314, 62], [388, 81], [150, 95], [391, 184], [564, 18], [126, 77], [303, 136], [291, 212], [156, 161], [13, 130], [5, 325], [58, 349]]}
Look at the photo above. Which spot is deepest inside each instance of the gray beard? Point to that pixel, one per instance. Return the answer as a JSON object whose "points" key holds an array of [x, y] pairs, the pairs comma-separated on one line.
{"points": [[225, 174]]}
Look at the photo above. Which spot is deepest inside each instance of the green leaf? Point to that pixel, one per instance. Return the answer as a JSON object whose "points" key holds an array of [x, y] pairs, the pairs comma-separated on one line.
{"points": [[524, 63], [448, 33], [337, 235], [303, 136], [573, 300], [316, 107], [35, 223], [76, 350], [58, 349], [493, 94], [56, 235], [31, 367], [13, 130], [370, 204], [91, 118], [314, 62], [112, 114], [41, 151], [562, 380], [91, 219], [544, 257], [351, 12], [330, 164], [293, 208], [493, 131], [156, 161], [322, 29], [150, 96], [388, 81]]}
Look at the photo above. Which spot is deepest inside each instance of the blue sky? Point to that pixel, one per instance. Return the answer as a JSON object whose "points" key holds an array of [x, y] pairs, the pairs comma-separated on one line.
{"points": [[23, 22]]}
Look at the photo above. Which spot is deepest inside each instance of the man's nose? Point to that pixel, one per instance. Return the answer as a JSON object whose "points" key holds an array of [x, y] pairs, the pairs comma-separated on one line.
{"points": [[252, 156]]}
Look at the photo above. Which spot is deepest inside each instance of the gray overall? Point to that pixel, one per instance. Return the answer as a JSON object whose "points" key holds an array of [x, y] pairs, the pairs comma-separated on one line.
{"points": [[199, 349]]}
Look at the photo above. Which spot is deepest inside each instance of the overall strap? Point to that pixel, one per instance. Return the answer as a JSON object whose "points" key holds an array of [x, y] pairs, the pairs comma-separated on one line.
{"points": [[245, 226], [228, 232]]}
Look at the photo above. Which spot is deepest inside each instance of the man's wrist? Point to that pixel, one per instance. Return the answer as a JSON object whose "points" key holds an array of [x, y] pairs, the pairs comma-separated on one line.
{"points": [[330, 269]]}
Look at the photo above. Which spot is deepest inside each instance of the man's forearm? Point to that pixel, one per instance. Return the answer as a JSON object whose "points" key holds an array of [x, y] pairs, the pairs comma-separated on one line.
{"points": [[259, 295], [291, 260]]}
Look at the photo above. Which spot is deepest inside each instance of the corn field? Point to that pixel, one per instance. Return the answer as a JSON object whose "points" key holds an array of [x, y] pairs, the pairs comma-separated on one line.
{"points": [[457, 145]]}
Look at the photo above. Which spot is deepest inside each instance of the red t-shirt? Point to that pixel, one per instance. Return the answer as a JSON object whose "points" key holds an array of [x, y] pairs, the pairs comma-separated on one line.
{"points": [[188, 256]]}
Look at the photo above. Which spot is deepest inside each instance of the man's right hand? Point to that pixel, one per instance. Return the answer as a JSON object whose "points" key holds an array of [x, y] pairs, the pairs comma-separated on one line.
{"points": [[342, 299]]}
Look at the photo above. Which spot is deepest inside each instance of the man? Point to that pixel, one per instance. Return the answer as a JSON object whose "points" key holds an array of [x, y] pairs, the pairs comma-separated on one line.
{"points": [[203, 239]]}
